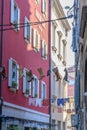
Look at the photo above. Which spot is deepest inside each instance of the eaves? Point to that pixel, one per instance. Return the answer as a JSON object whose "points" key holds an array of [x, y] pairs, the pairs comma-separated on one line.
{"points": [[83, 21]]}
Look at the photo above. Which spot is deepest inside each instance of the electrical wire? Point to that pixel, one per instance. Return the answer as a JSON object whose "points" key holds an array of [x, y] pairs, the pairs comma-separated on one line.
{"points": [[31, 23]]}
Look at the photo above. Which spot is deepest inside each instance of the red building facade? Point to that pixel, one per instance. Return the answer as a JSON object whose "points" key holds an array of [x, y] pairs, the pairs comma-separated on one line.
{"points": [[25, 63]]}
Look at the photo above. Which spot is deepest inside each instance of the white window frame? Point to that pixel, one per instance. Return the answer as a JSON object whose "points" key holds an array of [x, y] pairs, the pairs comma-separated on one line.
{"points": [[36, 40], [43, 93], [44, 6], [35, 87], [26, 83], [27, 30], [44, 50], [12, 79], [15, 22]]}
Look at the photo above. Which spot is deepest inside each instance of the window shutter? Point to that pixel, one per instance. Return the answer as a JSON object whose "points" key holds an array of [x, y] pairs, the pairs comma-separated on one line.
{"points": [[42, 90], [10, 73], [43, 6], [18, 19], [17, 77], [30, 34], [34, 38], [38, 88], [42, 48], [25, 27], [24, 80], [45, 91], [12, 11], [33, 88], [38, 42], [46, 50]]}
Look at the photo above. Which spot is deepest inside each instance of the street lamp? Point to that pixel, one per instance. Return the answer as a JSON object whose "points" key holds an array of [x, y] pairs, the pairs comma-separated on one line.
{"points": [[85, 94]]}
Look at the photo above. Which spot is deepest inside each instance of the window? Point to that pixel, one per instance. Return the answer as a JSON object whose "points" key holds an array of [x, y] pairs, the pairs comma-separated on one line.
{"points": [[44, 6], [54, 26], [36, 40], [43, 90], [13, 75], [64, 51], [35, 87], [27, 78], [59, 125], [27, 30], [13, 127], [59, 44], [53, 122], [15, 15], [44, 49]]}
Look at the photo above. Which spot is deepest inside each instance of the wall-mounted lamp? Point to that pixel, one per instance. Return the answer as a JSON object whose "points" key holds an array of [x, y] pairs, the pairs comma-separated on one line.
{"points": [[85, 94]]}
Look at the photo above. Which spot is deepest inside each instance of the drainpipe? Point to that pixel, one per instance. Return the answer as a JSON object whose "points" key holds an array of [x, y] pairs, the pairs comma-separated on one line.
{"points": [[1, 59], [50, 2]]}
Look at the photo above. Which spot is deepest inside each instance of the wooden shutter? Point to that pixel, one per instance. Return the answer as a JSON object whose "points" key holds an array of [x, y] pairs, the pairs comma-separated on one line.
{"points": [[42, 48], [30, 34], [34, 38], [46, 50], [42, 90], [33, 87], [38, 42], [10, 73], [17, 77], [12, 11], [43, 6], [18, 19], [25, 27], [24, 80], [38, 87]]}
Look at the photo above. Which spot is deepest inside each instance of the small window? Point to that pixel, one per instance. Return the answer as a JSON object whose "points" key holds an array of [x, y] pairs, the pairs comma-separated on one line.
{"points": [[15, 15], [13, 75], [64, 51], [44, 6], [27, 78], [36, 40], [54, 26], [59, 44], [43, 90], [44, 50], [59, 41], [35, 87], [27, 30]]}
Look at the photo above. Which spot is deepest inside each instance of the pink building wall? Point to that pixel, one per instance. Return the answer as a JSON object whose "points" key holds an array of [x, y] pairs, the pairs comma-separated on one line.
{"points": [[16, 48]]}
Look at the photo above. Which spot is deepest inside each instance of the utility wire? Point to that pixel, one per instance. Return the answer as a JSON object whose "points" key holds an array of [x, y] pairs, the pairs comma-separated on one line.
{"points": [[32, 23]]}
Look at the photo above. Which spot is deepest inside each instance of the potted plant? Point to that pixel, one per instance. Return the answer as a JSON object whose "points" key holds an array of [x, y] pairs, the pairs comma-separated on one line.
{"points": [[14, 84]]}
